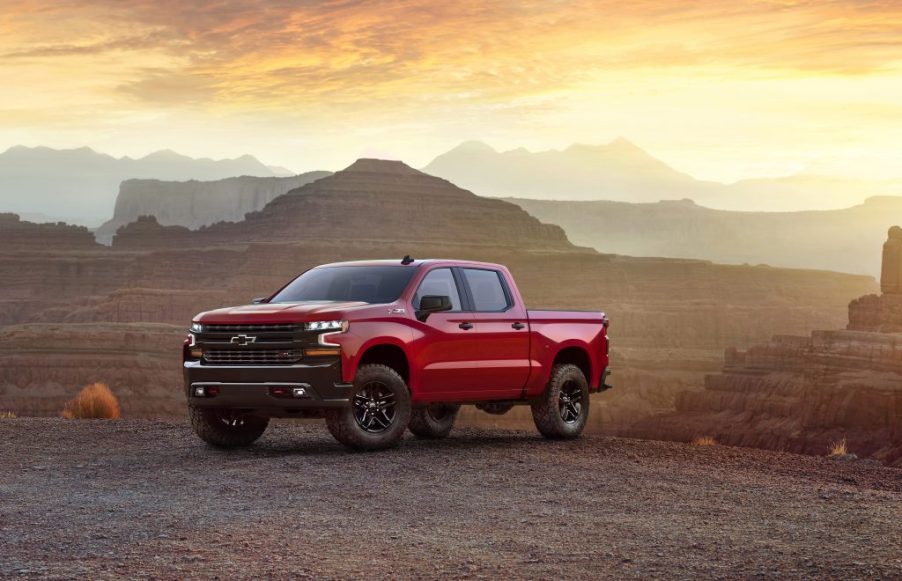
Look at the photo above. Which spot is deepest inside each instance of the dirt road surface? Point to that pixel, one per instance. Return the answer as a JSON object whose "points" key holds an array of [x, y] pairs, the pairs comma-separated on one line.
{"points": [[107, 499]]}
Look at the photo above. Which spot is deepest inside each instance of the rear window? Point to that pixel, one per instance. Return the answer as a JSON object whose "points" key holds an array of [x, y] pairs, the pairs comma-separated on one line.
{"points": [[368, 284], [487, 290]]}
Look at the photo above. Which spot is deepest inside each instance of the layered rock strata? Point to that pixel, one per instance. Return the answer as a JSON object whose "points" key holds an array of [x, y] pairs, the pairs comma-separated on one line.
{"points": [[194, 203]]}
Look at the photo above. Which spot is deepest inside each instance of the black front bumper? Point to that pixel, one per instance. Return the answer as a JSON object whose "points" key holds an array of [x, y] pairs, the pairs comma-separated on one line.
{"points": [[251, 387]]}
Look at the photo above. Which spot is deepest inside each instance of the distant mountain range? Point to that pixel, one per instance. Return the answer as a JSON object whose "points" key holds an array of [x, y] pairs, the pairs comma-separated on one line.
{"points": [[80, 185], [621, 171], [846, 240]]}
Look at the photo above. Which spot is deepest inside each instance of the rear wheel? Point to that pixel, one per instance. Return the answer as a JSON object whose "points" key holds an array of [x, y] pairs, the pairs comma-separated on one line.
{"points": [[225, 428], [378, 413], [562, 410], [433, 421]]}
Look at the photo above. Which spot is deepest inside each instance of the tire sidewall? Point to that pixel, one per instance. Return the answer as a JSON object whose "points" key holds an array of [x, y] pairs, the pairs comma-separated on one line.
{"points": [[344, 425], [208, 425], [572, 373], [546, 408], [424, 424]]}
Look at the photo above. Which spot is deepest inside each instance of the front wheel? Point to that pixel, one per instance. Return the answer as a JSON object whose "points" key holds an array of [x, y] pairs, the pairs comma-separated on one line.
{"points": [[378, 413], [226, 429], [433, 421], [560, 413]]}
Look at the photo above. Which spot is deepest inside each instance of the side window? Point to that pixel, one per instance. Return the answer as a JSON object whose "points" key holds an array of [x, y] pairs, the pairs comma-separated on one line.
{"points": [[488, 293], [438, 282]]}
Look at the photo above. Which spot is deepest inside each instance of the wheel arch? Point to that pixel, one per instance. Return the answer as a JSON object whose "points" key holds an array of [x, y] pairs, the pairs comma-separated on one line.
{"points": [[388, 353], [574, 354]]}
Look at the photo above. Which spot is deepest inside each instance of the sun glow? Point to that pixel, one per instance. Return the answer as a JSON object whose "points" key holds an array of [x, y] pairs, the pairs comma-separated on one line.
{"points": [[722, 90]]}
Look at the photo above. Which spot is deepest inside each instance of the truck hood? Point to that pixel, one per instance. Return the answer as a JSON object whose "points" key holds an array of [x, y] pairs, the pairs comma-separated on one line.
{"points": [[301, 312]]}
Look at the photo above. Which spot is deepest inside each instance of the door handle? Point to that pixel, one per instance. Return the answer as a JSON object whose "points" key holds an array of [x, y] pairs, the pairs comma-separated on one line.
{"points": [[518, 326], [466, 326]]}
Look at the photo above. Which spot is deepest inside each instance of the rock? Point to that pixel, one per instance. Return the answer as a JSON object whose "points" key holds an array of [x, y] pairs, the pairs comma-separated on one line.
{"points": [[882, 313], [800, 393], [16, 234], [193, 203], [891, 269], [371, 200]]}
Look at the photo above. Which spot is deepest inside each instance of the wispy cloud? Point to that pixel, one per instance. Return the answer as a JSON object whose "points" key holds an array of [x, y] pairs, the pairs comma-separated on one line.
{"points": [[412, 62]]}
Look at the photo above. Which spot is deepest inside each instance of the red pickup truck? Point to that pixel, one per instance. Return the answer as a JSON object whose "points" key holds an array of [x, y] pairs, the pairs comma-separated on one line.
{"points": [[377, 347]]}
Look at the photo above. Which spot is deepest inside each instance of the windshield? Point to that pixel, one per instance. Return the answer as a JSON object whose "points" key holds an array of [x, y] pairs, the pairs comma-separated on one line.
{"points": [[368, 284]]}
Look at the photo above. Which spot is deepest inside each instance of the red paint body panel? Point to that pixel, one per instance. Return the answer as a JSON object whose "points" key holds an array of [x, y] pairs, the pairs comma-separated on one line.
{"points": [[492, 360]]}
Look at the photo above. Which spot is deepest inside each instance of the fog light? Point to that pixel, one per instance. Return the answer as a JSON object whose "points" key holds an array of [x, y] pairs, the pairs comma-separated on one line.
{"points": [[212, 391], [199, 392], [299, 392]]}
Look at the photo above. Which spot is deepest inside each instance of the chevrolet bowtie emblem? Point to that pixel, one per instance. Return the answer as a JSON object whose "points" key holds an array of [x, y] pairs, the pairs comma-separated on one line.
{"points": [[243, 340]]}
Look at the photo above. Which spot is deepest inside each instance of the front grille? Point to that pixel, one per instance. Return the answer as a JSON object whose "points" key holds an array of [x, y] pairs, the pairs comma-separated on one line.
{"points": [[259, 356], [262, 328]]}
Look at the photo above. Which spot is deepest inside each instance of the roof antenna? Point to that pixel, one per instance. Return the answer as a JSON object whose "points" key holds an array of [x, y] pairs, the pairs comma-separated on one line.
{"points": [[406, 260]]}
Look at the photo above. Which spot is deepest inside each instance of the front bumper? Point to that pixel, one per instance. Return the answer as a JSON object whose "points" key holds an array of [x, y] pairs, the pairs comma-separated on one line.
{"points": [[251, 387]]}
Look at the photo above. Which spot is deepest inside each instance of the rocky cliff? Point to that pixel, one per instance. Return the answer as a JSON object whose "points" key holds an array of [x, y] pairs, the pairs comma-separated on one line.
{"points": [[800, 393], [197, 203], [43, 366], [841, 240], [85, 182], [22, 235], [376, 201]]}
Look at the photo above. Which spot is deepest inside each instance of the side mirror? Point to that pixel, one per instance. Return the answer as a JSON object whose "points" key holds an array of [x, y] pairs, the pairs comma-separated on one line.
{"points": [[258, 301], [433, 304]]}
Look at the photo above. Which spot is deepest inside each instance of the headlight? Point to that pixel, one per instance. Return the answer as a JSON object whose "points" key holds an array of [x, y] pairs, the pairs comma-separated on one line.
{"points": [[326, 326], [197, 328]]}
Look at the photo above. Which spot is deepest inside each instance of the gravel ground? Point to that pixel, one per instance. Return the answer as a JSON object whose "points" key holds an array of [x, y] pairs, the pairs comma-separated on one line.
{"points": [[96, 499]]}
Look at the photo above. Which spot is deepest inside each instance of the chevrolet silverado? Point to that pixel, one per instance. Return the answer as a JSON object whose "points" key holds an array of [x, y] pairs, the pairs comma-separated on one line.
{"points": [[378, 347]]}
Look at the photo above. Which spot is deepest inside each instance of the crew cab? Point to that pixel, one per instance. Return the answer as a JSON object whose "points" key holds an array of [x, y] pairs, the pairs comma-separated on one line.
{"points": [[378, 347]]}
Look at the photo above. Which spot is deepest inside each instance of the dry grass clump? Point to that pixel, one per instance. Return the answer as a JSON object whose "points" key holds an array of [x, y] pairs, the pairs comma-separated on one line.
{"points": [[95, 401], [704, 441], [4, 415], [839, 448]]}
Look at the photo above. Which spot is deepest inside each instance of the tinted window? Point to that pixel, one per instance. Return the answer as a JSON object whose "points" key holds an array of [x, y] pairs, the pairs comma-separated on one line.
{"points": [[488, 293], [369, 284], [439, 282]]}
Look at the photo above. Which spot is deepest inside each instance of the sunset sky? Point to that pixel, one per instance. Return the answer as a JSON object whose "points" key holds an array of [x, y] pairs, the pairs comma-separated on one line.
{"points": [[720, 89]]}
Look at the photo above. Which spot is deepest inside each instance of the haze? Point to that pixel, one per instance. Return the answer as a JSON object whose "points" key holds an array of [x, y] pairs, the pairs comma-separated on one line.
{"points": [[720, 90]]}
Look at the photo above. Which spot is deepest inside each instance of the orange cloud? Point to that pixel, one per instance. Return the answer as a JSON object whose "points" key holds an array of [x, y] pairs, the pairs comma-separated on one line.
{"points": [[483, 64]]}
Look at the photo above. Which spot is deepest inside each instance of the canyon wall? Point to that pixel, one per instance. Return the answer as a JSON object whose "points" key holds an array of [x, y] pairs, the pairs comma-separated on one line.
{"points": [[197, 203], [802, 393], [840, 240], [43, 366], [19, 234], [798, 394]]}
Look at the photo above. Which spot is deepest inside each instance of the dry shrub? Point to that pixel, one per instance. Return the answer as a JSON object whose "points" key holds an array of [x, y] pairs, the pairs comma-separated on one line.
{"points": [[839, 448], [95, 401], [7, 415], [704, 441]]}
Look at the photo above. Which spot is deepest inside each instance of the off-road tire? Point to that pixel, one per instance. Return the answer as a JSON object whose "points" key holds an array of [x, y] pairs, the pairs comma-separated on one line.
{"points": [[344, 426], [223, 429], [433, 421], [547, 408]]}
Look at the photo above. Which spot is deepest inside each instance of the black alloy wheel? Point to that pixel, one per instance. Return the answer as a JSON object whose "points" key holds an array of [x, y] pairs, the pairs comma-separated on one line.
{"points": [[571, 402], [374, 407]]}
